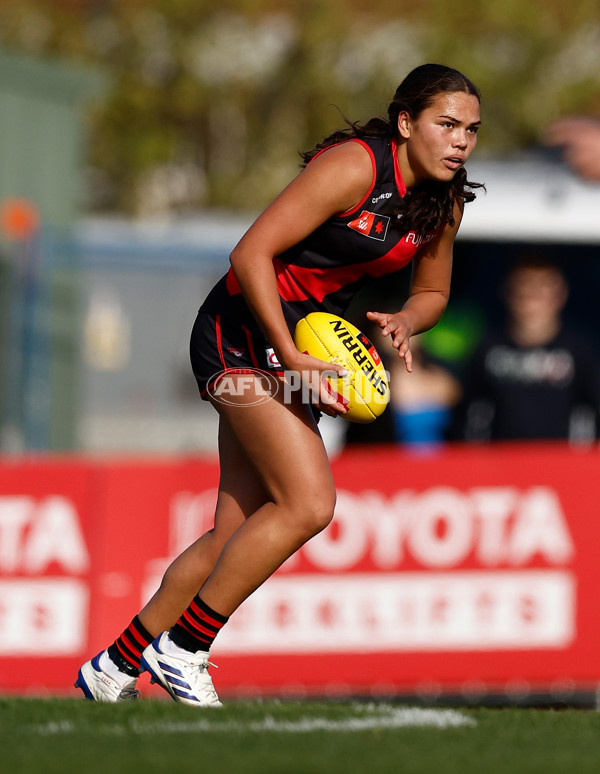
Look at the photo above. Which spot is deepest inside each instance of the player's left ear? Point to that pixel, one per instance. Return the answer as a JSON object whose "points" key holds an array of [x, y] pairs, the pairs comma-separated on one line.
{"points": [[404, 124]]}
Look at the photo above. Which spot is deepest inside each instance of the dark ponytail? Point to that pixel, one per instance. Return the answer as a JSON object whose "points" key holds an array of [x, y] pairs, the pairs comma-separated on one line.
{"points": [[428, 206]]}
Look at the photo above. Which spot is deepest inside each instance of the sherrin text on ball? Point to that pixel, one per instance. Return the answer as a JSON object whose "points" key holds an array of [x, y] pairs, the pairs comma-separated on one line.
{"points": [[365, 390]]}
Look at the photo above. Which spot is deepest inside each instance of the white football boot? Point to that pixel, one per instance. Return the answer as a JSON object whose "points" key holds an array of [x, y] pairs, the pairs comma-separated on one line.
{"points": [[184, 675], [98, 685]]}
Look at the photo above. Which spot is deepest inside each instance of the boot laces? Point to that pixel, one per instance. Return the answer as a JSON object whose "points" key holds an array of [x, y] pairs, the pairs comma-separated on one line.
{"points": [[200, 666]]}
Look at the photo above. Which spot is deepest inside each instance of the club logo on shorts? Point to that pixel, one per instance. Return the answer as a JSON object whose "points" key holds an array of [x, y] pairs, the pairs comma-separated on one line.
{"points": [[272, 359]]}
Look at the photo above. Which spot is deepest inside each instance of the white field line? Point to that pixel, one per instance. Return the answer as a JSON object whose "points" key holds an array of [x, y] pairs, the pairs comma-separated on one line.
{"points": [[378, 718]]}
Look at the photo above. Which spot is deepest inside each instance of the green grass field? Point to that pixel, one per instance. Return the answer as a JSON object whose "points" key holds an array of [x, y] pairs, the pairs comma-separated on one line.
{"points": [[70, 736]]}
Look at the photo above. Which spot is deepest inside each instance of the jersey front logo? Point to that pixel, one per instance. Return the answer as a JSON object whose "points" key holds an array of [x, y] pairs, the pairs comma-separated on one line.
{"points": [[371, 225]]}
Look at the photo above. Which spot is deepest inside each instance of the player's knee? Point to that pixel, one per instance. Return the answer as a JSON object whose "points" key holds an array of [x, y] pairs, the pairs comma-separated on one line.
{"points": [[316, 512]]}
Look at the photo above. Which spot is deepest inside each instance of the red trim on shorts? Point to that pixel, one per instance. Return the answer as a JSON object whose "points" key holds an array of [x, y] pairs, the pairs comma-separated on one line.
{"points": [[250, 346], [219, 341]]}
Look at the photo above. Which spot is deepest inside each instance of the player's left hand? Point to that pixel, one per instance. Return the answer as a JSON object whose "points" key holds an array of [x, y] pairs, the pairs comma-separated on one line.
{"points": [[395, 325]]}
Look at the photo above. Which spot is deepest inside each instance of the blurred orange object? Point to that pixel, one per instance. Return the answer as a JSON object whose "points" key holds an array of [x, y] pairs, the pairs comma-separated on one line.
{"points": [[19, 218]]}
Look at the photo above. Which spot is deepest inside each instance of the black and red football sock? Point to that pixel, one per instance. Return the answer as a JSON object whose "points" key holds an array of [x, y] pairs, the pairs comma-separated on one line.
{"points": [[197, 627], [126, 650]]}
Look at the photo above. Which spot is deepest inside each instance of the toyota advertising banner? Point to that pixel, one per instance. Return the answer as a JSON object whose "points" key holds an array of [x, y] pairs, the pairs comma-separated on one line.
{"points": [[471, 570]]}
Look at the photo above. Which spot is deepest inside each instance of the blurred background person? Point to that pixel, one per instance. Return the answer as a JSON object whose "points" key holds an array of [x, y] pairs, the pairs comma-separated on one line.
{"points": [[421, 402], [421, 405], [579, 139], [534, 378]]}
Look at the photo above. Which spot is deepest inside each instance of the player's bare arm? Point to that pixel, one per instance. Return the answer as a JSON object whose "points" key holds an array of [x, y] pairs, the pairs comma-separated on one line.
{"points": [[429, 292], [333, 183]]}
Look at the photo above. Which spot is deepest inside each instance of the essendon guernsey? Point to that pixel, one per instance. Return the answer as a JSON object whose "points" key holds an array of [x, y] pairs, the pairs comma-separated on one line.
{"points": [[325, 270]]}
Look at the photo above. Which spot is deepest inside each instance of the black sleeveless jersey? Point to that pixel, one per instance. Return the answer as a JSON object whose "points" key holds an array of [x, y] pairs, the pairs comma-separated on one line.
{"points": [[323, 272]]}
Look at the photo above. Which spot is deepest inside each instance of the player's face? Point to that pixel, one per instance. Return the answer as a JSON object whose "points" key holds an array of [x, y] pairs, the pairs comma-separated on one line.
{"points": [[439, 141]]}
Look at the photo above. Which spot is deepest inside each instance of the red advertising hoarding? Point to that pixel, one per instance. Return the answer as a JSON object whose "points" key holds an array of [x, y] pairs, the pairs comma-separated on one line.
{"points": [[469, 570]]}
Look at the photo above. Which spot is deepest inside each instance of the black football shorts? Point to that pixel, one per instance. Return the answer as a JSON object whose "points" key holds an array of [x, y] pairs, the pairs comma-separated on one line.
{"points": [[217, 346]]}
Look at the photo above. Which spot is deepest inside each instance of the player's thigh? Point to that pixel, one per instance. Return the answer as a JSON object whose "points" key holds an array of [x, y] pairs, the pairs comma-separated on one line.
{"points": [[281, 439], [241, 487]]}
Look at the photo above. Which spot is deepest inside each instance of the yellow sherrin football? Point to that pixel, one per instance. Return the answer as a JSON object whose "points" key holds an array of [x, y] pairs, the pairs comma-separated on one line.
{"points": [[365, 390]]}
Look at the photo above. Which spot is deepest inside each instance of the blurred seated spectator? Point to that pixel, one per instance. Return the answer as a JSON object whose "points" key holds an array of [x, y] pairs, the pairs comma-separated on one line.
{"points": [[535, 378], [579, 139], [420, 402]]}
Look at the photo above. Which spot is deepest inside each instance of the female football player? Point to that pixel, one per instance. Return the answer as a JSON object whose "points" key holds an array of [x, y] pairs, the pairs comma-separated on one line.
{"points": [[370, 199]]}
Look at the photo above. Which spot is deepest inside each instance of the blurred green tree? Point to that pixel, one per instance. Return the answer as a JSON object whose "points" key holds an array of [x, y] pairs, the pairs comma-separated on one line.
{"points": [[210, 104]]}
